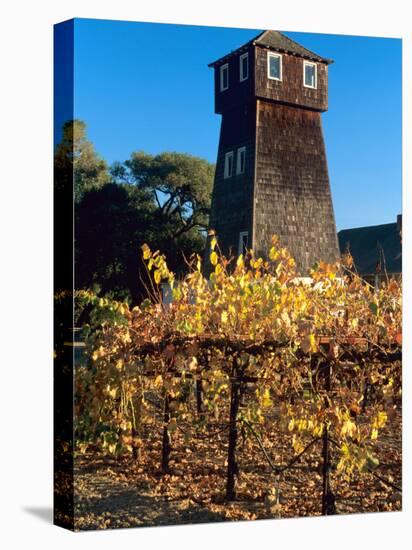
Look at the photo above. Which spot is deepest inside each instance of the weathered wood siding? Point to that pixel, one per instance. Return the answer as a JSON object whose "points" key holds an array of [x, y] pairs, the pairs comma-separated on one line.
{"points": [[292, 191], [290, 89], [285, 188], [232, 199], [238, 93]]}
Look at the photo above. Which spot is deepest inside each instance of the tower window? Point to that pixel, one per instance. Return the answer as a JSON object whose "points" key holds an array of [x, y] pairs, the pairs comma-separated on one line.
{"points": [[241, 160], [243, 242], [224, 77], [274, 66], [228, 171], [244, 67], [309, 74]]}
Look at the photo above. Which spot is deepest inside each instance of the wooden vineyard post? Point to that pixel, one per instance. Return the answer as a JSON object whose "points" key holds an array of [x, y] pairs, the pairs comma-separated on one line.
{"points": [[365, 397], [199, 402], [199, 391], [328, 498], [137, 423], [135, 450], [232, 468], [166, 447]]}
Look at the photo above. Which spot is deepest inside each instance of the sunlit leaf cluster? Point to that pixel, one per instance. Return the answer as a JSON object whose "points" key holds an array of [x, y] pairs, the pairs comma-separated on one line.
{"points": [[254, 322]]}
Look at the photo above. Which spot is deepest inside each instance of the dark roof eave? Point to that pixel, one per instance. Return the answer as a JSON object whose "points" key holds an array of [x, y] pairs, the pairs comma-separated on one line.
{"points": [[228, 55], [368, 227], [254, 42], [318, 59]]}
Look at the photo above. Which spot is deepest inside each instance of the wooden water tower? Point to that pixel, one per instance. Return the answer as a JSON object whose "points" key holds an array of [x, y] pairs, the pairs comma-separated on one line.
{"points": [[271, 171]]}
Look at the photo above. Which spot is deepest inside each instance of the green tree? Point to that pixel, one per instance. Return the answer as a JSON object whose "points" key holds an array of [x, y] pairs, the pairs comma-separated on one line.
{"points": [[162, 200], [111, 223], [180, 184], [76, 160]]}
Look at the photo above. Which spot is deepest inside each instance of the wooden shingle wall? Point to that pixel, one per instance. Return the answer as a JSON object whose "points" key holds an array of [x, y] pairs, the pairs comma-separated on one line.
{"points": [[292, 192], [291, 89], [238, 92], [285, 188], [232, 199]]}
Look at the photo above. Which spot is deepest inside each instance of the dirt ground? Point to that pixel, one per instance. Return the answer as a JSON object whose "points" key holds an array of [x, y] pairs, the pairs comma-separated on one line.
{"points": [[115, 493]]}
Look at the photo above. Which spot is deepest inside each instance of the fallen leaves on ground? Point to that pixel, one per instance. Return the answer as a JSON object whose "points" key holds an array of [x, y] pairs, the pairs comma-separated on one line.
{"points": [[115, 493]]}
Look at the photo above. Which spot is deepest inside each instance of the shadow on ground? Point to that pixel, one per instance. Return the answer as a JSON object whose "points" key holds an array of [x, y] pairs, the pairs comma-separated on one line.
{"points": [[41, 512], [128, 508]]}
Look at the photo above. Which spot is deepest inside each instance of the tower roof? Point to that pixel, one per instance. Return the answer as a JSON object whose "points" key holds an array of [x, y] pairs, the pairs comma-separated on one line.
{"points": [[279, 42]]}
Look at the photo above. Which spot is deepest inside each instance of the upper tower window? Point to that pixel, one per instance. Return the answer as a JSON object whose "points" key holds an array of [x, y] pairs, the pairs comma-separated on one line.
{"points": [[224, 77], [309, 74], [274, 66], [244, 66]]}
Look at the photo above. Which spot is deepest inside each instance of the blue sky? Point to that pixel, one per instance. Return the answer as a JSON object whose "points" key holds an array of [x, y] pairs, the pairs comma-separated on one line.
{"points": [[142, 86]]}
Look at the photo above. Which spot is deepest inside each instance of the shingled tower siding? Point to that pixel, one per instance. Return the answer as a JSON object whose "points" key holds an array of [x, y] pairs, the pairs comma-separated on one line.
{"points": [[285, 187], [232, 199], [292, 195]]}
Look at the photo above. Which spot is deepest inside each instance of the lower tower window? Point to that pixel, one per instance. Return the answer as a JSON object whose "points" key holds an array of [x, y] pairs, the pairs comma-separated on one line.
{"points": [[240, 160], [228, 171], [243, 242]]}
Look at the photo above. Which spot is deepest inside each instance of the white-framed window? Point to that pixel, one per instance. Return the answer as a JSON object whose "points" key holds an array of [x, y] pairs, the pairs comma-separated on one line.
{"points": [[241, 160], [224, 77], [244, 67], [228, 170], [243, 242], [310, 76], [274, 66]]}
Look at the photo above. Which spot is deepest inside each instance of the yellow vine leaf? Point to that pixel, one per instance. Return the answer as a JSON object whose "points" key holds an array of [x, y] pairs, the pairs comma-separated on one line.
{"points": [[112, 392], [193, 364], [348, 428], [309, 344], [213, 258], [273, 254], [297, 445], [266, 400], [158, 381], [146, 252], [380, 420], [157, 276]]}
